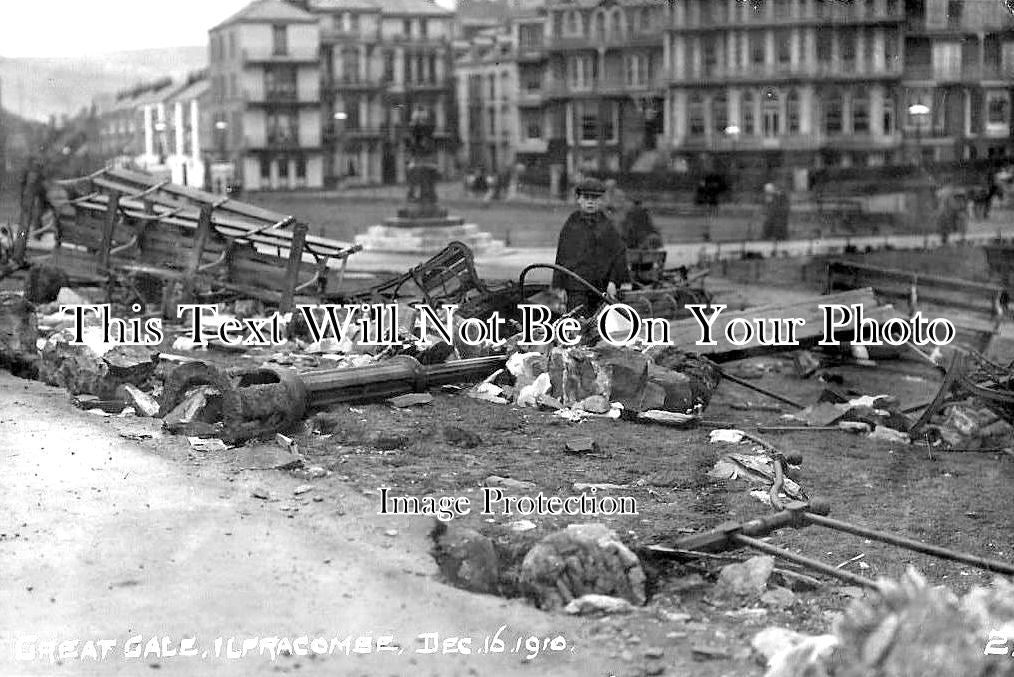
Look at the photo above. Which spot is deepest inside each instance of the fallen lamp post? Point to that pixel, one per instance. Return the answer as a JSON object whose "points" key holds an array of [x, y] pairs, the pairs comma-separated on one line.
{"points": [[263, 401]]}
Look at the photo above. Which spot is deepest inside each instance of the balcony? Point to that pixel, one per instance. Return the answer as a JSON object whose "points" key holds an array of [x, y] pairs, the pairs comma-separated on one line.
{"points": [[607, 41], [786, 74], [254, 58], [602, 87], [331, 34], [278, 97], [354, 83], [530, 97]]}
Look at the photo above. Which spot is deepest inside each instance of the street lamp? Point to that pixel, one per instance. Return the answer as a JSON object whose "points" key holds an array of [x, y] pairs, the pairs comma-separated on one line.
{"points": [[918, 111]]}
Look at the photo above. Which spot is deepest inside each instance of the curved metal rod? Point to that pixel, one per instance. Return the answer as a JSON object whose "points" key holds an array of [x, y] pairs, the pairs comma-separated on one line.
{"points": [[561, 269]]}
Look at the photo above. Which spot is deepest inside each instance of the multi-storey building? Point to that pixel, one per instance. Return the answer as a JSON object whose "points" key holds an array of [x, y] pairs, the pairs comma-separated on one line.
{"points": [[264, 96], [500, 73], [487, 95], [188, 127], [128, 125], [604, 81], [959, 64], [797, 84], [382, 60]]}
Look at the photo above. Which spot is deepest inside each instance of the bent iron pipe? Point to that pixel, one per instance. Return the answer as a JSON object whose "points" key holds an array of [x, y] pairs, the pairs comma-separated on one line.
{"points": [[263, 401]]}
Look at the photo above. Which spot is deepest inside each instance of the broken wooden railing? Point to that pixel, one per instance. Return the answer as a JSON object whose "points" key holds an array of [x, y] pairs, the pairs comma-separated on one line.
{"points": [[976, 298], [119, 221]]}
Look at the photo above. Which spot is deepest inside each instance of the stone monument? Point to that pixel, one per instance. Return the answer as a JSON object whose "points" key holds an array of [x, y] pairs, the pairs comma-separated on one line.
{"points": [[422, 226]]}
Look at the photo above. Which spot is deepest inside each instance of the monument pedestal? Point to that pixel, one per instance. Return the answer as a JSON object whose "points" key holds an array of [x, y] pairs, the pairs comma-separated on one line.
{"points": [[426, 229]]}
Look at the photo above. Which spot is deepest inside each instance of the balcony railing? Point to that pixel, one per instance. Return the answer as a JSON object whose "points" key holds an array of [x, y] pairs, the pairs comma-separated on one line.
{"points": [[268, 56], [602, 86]]}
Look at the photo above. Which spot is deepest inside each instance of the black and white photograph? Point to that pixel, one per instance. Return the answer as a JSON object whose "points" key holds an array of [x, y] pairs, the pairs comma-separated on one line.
{"points": [[606, 338]]}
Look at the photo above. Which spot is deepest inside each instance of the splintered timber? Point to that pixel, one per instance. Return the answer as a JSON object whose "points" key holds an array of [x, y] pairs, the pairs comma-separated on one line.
{"points": [[618, 324]]}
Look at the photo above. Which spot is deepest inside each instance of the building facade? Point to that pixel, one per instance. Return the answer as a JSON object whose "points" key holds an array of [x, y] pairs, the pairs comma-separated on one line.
{"points": [[380, 61], [264, 98], [798, 84], [604, 82], [188, 128]]}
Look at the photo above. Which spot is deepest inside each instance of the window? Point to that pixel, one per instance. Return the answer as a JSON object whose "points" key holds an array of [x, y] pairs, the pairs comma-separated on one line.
{"points": [[530, 36], [997, 108], [955, 9], [783, 47], [232, 45], [757, 48], [617, 23], [353, 23], [423, 28], [265, 168], [581, 72], [748, 121], [695, 117], [350, 64], [847, 46], [573, 23], [719, 114], [388, 66], [824, 42], [279, 40], [792, 112], [301, 167], [406, 27], [710, 55], [283, 167], [888, 115], [771, 113], [281, 128], [636, 67], [833, 113], [531, 122], [600, 26], [860, 112], [871, 8], [891, 48], [280, 82]]}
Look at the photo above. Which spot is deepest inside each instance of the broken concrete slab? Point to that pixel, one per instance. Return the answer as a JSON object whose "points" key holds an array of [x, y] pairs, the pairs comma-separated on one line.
{"points": [[461, 437], [579, 560], [581, 445], [79, 369], [143, 403]]}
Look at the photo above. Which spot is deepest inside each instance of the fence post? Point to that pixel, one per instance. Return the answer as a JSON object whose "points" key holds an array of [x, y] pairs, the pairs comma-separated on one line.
{"points": [[292, 270], [112, 208]]}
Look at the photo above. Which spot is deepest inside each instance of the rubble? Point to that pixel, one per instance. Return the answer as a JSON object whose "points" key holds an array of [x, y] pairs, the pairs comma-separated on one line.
{"points": [[18, 335], [466, 558], [587, 605], [749, 578], [81, 369], [581, 559]]}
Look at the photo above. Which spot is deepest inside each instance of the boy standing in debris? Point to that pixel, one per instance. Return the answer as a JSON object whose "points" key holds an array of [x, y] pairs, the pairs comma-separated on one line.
{"points": [[591, 247]]}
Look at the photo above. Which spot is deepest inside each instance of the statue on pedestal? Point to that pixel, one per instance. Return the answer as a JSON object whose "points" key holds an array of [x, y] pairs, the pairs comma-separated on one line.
{"points": [[422, 158]]}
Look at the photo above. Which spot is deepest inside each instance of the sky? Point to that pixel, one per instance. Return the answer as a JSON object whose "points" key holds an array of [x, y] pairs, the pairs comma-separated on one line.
{"points": [[62, 28]]}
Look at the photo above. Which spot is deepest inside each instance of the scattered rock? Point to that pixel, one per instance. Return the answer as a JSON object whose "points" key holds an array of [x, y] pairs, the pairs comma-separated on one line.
{"points": [[261, 493], [302, 489], [790, 654], [508, 483], [143, 403], [581, 445], [587, 605], [18, 335], [410, 400], [778, 598], [580, 560], [595, 404], [461, 437], [207, 444], [745, 578], [466, 558]]}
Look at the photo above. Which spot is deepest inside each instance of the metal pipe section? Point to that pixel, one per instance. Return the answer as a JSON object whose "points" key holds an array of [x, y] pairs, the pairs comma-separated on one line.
{"points": [[934, 550], [816, 565]]}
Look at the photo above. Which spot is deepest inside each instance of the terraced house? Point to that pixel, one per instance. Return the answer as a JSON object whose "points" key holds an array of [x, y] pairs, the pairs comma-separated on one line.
{"points": [[380, 61], [798, 84], [264, 100], [605, 83]]}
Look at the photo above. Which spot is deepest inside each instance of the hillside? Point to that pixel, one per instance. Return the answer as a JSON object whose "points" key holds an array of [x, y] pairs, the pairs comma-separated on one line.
{"points": [[36, 88]]}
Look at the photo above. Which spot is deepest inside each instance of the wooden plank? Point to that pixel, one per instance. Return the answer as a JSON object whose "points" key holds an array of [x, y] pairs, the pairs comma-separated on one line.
{"points": [[197, 249], [686, 333], [294, 264], [112, 213]]}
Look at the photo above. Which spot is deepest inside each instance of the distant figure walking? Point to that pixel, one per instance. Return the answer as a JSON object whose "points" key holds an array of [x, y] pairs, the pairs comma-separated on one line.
{"points": [[639, 231], [776, 213], [982, 199], [952, 214]]}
